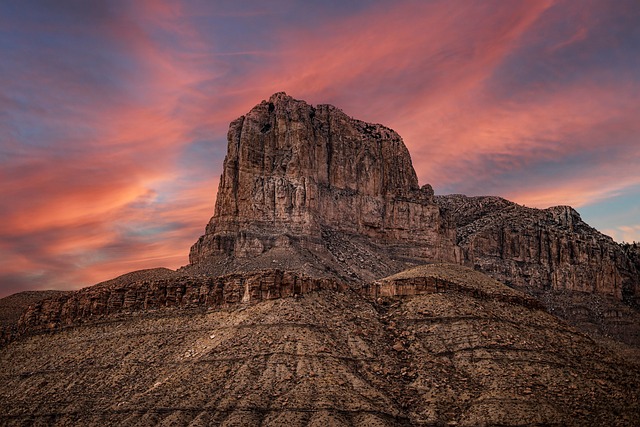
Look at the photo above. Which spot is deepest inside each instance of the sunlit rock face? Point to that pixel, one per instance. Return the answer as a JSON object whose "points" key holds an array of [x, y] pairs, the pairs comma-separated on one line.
{"points": [[300, 177]]}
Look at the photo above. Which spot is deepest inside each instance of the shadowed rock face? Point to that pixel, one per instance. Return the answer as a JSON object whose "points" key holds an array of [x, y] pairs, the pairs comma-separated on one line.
{"points": [[12, 307], [578, 273], [295, 175]]}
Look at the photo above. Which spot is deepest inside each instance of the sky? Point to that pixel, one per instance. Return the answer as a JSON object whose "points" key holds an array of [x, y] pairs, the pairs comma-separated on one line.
{"points": [[114, 114]]}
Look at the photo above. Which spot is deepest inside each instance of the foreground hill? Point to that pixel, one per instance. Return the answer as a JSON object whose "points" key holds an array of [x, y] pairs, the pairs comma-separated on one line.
{"points": [[465, 349]]}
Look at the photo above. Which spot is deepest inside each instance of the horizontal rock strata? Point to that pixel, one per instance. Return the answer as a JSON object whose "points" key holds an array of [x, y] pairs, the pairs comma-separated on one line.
{"points": [[539, 249], [577, 272], [443, 278], [447, 358], [186, 292]]}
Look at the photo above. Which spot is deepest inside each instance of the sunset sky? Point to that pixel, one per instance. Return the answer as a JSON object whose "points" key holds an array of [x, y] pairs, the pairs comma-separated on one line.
{"points": [[113, 114]]}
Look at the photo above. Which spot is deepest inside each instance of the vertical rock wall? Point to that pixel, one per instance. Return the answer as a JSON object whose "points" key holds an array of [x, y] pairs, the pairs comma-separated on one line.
{"points": [[293, 170]]}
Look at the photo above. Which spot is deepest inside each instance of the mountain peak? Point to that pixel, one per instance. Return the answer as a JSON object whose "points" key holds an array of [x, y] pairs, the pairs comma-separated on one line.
{"points": [[295, 174]]}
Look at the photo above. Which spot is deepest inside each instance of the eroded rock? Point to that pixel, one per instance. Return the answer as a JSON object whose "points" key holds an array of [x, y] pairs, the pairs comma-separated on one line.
{"points": [[296, 175], [539, 249]]}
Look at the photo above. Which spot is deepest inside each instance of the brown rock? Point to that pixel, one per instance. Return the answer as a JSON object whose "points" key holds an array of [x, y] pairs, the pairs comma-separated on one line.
{"points": [[578, 272], [300, 361], [550, 248], [310, 180], [119, 297]]}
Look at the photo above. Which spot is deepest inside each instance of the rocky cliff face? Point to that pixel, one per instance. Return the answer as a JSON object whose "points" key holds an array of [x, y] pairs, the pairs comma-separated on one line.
{"points": [[632, 251], [109, 299], [549, 249], [302, 177], [579, 274]]}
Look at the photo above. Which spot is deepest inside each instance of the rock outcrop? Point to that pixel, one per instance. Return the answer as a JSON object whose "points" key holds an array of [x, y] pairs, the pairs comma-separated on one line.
{"points": [[579, 273], [629, 294], [539, 248], [443, 278], [121, 297], [12, 307], [299, 180]]}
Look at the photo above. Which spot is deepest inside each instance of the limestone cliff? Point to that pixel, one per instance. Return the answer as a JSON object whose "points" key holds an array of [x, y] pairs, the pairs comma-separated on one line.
{"points": [[540, 249], [299, 180]]}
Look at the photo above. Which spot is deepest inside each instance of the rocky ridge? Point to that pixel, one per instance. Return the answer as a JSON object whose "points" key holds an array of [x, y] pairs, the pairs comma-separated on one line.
{"points": [[122, 297], [311, 189], [457, 355], [579, 273], [540, 248]]}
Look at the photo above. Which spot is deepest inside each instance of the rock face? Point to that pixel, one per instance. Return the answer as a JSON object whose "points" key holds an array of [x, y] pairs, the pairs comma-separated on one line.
{"points": [[108, 299], [632, 251], [12, 307], [539, 249], [442, 278], [295, 176], [579, 274]]}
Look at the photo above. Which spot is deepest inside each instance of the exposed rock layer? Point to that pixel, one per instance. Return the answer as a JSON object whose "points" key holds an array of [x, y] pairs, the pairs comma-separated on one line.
{"points": [[12, 307], [579, 274], [294, 173], [442, 278], [186, 292]]}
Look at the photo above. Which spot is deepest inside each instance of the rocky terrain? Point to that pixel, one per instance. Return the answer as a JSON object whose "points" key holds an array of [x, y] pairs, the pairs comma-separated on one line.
{"points": [[322, 191], [330, 289], [540, 248], [12, 307], [579, 273], [474, 354], [107, 299], [632, 251]]}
